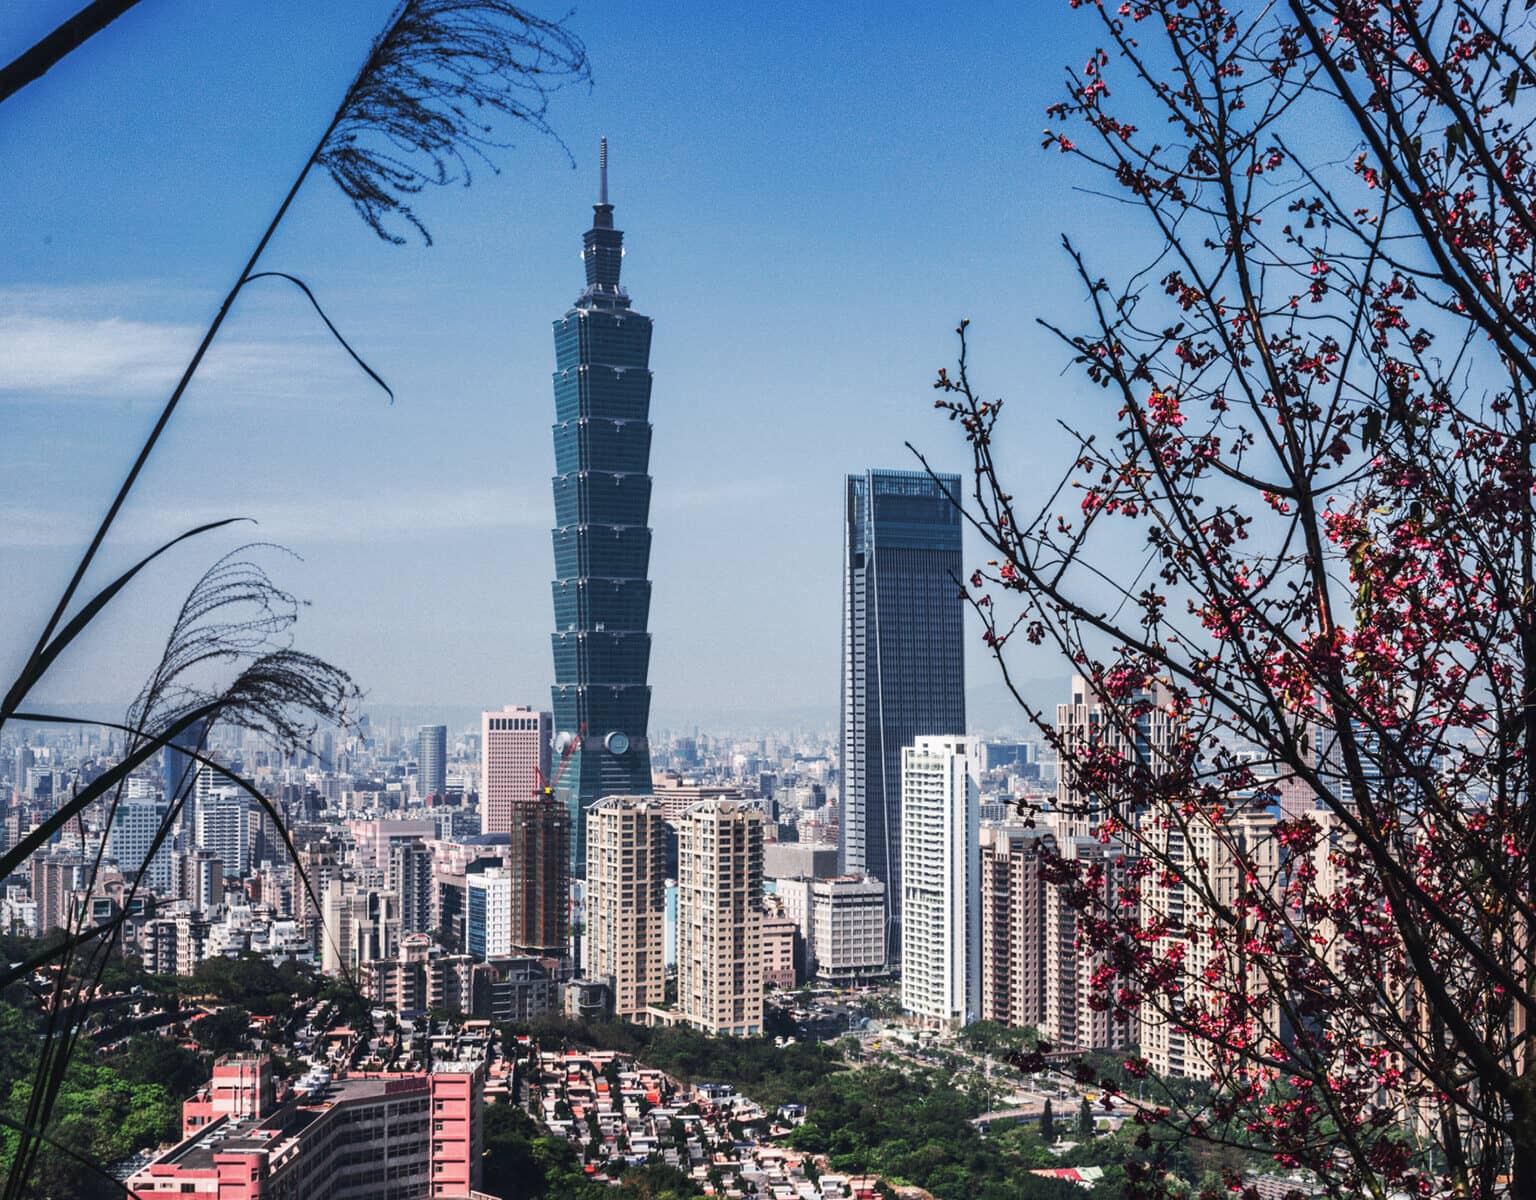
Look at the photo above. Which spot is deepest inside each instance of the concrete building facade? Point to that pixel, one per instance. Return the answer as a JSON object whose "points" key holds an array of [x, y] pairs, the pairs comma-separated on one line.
{"points": [[420, 978], [409, 1135], [55, 876], [361, 926], [1014, 955], [1136, 729], [626, 901], [940, 854], [515, 762], [1198, 861], [135, 825], [488, 913], [224, 829], [842, 922], [800, 860], [1070, 1022], [780, 933], [720, 917], [410, 878]]}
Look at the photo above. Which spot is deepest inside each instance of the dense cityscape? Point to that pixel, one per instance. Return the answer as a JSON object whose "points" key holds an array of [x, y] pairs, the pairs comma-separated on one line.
{"points": [[879, 888], [1175, 836]]}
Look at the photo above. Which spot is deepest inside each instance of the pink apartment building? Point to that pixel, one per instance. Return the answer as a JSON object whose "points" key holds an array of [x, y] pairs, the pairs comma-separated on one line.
{"points": [[514, 762], [241, 1087], [408, 1136], [376, 839]]}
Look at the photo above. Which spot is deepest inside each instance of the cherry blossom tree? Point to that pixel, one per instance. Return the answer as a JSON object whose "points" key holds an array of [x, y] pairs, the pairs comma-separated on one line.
{"points": [[1300, 527]]}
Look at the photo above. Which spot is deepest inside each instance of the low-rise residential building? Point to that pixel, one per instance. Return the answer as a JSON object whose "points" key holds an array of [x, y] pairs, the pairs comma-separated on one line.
{"points": [[612, 1110], [780, 938]]}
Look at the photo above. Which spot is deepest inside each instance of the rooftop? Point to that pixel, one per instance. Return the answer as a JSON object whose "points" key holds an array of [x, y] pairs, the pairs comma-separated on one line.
{"points": [[279, 1127]]}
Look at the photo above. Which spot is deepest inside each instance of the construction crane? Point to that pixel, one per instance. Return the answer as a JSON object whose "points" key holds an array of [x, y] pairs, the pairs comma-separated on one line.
{"points": [[545, 789]]}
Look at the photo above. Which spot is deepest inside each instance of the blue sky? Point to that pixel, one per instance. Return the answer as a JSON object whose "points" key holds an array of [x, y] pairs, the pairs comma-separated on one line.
{"points": [[812, 195]]}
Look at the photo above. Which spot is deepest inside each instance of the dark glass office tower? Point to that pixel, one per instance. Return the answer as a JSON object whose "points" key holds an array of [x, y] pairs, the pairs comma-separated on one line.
{"points": [[432, 763], [903, 657], [602, 541], [179, 766]]}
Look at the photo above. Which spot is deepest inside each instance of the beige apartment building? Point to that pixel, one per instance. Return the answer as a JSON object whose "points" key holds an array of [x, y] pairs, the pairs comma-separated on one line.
{"points": [[1014, 954], [720, 917], [1070, 1022], [361, 925], [1204, 861], [626, 901], [515, 765], [677, 795], [779, 936], [1141, 738], [1138, 730]]}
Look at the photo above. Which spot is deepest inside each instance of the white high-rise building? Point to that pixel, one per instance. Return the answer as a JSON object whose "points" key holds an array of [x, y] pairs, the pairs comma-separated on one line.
{"points": [[134, 825], [224, 828], [488, 913], [941, 863]]}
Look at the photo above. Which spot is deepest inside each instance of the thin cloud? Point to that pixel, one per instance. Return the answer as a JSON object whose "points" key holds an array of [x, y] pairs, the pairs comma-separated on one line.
{"points": [[384, 518], [61, 345], [320, 519], [109, 357]]}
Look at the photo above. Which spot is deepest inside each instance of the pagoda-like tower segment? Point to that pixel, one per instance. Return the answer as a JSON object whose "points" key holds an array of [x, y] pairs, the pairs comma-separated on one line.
{"points": [[602, 537]]}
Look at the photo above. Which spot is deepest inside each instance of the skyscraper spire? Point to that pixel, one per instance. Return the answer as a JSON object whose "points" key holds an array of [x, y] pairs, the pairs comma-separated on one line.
{"points": [[602, 211], [603, 245]]}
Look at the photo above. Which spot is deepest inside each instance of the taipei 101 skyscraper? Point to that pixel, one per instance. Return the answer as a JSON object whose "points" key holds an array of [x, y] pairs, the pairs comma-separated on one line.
{"points": [[602, 539]]}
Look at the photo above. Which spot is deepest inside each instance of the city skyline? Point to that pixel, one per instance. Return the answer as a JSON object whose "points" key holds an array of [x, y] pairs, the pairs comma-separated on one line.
{"points": [[764, 413], [1247, 891]]}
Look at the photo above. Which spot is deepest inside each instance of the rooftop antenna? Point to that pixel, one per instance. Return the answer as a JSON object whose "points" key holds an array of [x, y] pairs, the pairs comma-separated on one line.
{"points": [[602, 171]]}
